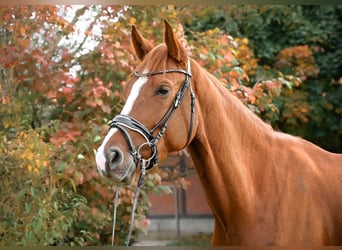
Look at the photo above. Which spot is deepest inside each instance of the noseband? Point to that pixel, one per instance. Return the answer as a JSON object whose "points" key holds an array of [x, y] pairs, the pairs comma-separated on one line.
{"points": [[124, 122]]}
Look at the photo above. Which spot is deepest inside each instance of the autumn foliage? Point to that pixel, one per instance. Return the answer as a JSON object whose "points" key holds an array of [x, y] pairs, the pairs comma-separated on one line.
{"points": [[61, 74]]}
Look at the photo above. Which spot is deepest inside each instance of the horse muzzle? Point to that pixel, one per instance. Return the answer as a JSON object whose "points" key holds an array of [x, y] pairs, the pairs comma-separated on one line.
{"points": [[113, 164]]}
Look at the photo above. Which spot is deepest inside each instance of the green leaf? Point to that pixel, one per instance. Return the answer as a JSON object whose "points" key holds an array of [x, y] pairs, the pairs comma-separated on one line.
{"points": [[80, 157], [238, 70], [33, 191], [97, 138]]}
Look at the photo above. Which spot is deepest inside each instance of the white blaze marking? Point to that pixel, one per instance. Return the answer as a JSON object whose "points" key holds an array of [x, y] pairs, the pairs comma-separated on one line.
{"points": [[135, 91], [137, 86], [100, 156]]}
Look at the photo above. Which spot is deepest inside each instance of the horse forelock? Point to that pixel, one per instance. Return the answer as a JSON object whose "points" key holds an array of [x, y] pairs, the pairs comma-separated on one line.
{"points": [[156, 59]]}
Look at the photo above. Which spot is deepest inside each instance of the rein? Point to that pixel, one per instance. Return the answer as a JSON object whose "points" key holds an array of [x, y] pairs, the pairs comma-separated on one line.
{"points": [[124, 122]]}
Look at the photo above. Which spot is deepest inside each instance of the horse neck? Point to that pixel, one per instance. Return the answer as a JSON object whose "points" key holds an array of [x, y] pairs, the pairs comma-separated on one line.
{"points": [[225, 148]]}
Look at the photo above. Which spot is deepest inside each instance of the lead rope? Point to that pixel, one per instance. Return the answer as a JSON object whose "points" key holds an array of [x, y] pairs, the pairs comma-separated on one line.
{"points": [[136, 196], [117, 191]]}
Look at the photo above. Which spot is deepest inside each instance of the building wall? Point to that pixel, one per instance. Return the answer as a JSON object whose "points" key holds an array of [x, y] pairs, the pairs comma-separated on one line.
{"points": [[191, 199]]}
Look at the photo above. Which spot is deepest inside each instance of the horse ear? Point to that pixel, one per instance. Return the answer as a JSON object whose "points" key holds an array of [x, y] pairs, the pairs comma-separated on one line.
{"points": [[141, 45], [175, 49]]}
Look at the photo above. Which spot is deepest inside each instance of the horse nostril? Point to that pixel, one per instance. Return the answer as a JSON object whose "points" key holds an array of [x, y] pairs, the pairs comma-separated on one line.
{"points": [[114, 157]]}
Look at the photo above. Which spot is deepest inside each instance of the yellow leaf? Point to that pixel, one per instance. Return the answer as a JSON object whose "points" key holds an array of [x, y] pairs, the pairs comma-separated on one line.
{"points": [[132, 20]]}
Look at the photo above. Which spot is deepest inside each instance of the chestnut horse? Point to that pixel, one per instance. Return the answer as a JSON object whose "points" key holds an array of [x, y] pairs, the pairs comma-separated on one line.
{"points": [[264, 187]]}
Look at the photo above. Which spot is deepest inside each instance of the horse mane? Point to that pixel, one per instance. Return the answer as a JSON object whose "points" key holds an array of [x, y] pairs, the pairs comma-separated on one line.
{"points": [[230, 100]]}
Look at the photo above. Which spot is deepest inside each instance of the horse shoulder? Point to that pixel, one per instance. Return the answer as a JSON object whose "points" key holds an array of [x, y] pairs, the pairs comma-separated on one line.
{"points": [[311, 180]]}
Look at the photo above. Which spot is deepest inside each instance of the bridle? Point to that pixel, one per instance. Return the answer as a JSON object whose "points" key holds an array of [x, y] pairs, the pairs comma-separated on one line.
{"points": [[124, 122]]}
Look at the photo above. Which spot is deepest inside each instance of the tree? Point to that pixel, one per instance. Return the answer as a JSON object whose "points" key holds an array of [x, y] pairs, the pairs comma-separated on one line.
{"points": [[54, 100], [278, 36]]}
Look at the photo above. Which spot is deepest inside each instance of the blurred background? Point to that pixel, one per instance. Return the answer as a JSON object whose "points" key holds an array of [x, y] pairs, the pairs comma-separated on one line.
{"points": [[62, 69]]}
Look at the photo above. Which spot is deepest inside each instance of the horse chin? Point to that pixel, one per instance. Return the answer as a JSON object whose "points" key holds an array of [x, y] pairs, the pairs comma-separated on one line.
{"points": [[123, 175], [128, 177]]}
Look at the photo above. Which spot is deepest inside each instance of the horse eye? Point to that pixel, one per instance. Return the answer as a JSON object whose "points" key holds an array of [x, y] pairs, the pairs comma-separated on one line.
{"points": [[163, 90]]}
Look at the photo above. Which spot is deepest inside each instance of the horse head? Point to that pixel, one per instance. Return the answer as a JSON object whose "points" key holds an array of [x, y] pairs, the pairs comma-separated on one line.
{"points": [[158, 116]]}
